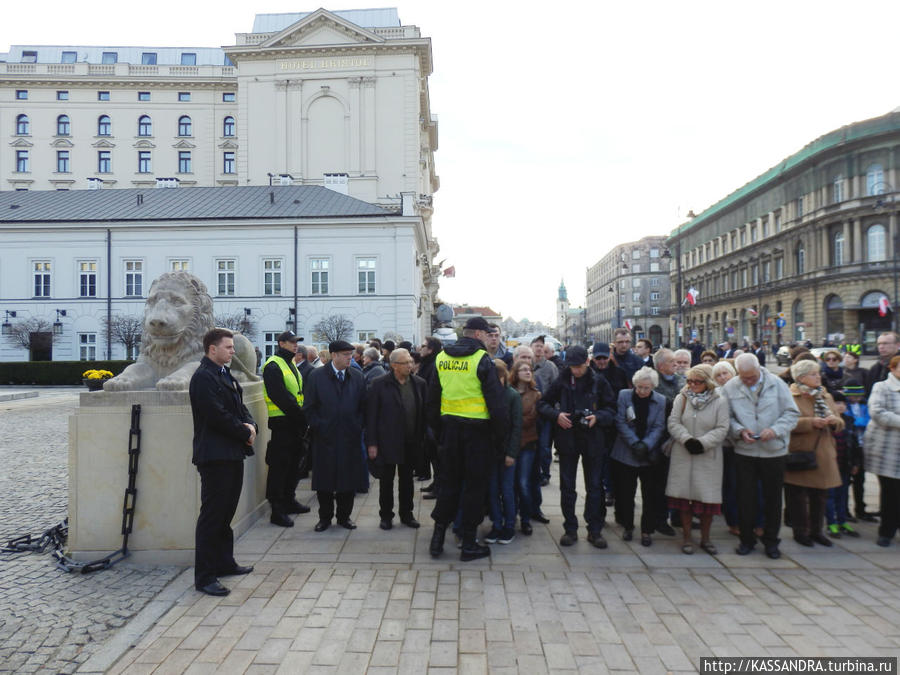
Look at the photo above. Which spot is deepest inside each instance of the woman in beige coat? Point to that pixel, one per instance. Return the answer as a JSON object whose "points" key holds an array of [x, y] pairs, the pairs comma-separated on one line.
{"points": [[698, 424], [805, 491]]}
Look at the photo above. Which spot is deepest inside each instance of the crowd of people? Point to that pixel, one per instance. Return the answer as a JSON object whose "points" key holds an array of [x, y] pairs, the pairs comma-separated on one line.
{"points": [[705, 432]]}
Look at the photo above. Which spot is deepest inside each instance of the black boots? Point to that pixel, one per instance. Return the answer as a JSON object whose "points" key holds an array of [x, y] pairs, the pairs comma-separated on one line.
{"points": [[471, 549], [437, 540]]}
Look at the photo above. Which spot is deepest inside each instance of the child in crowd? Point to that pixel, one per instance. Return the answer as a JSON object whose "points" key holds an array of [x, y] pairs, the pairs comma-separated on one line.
{"points": [[848, 460]]}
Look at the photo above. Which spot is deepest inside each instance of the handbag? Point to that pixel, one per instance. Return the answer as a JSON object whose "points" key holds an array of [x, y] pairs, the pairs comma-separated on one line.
{"points": [[803, 460]]}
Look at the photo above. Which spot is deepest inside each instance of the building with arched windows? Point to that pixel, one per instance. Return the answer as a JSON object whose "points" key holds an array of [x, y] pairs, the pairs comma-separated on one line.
{"points": [[806, 251]]}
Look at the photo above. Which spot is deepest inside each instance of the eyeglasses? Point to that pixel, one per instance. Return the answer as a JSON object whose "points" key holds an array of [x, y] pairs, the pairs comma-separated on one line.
{"points": [[690, 381]]}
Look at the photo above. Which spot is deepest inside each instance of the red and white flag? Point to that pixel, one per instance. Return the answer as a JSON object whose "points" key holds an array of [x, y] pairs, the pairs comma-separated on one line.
{"points": [[752, 312], [628, 325], [450, 271], [691, 297], [884, 306]]}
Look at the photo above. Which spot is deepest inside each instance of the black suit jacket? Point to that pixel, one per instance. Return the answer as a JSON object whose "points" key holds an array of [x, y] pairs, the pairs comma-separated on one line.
{"points": [[219, 415], [384, 419]]}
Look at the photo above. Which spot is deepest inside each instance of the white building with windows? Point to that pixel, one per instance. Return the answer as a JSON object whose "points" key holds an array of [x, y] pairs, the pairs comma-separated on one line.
{"points": [[335, 100], [282, 256]]}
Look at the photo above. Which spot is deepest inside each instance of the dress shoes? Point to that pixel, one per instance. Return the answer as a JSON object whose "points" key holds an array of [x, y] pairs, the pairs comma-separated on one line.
{"points": [[214, 588], [541, 518], [883, 541], [239, 569], [473, 551], [385, 524], [821, 539], [568, 539], [437, 540], [526, 529], [281, 520], [322, 525], [297, 507], [804, 540], [743, 549], [597, 540], [773, 552], [410, 522], [347, 524]]}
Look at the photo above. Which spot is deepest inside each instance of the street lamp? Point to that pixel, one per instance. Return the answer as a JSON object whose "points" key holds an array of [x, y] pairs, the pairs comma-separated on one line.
{"points": [[289, 324], [7, 326], [667, 254], [57, 325], [879, 205]]}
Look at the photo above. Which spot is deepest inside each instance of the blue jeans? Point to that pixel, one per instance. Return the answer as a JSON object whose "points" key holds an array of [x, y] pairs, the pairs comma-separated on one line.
{"points": [[527, 481], [836, 508], [502, 495], [545, 446]]}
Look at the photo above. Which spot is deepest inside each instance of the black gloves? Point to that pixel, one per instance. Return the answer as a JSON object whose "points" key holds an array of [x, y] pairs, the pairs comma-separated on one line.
{"points": [[693, 446], [640, 451]]}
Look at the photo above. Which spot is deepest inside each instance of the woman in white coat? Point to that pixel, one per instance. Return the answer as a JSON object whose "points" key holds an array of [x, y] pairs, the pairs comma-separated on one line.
{"points": [[698, 424]]}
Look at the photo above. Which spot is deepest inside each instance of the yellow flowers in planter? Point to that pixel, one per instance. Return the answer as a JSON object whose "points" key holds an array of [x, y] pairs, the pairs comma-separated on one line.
{"points": [[96, 375]]}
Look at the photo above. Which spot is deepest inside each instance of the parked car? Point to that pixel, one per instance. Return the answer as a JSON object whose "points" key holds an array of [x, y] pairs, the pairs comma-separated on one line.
{"points": [[783, 356]]}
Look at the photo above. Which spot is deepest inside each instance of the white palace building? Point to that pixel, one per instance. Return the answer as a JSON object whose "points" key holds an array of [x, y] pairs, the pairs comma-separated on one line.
{"points": [[293, 172]]}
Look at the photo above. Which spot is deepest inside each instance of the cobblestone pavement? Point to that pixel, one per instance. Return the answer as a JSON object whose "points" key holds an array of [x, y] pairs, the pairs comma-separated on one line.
{"points": [[51, 621]]}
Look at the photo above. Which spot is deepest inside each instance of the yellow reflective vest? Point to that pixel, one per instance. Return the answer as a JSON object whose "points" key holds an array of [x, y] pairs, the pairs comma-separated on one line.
{"points": [[461, 393], [293, 382]]}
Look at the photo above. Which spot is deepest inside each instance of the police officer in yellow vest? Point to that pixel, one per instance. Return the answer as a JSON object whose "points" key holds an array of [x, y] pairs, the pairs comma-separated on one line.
{"points": [[467, 410], [287, 424]]}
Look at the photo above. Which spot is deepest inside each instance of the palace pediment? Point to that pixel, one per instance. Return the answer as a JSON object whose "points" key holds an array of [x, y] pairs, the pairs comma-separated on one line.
{"points": [[62, 143], [320, 28], [103, 144], [21, 143], [184, 145], [144, 144]]}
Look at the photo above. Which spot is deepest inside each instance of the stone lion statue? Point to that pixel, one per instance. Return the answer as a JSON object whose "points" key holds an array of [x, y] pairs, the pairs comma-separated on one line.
{"points": [[177, 315]]}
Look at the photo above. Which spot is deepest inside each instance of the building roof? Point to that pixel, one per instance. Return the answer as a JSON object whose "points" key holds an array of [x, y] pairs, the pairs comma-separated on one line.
{"points": [[192, 203], [171, 56], [876, 126], [474, 311], [386, 17]]}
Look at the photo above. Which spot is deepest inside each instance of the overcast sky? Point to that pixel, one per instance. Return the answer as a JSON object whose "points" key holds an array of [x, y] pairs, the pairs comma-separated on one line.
{"points": [[568, 128]]}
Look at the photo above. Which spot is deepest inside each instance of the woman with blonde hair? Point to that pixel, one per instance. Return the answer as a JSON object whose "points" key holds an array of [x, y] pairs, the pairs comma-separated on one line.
{"points": [[698, 424], [528, 480]]}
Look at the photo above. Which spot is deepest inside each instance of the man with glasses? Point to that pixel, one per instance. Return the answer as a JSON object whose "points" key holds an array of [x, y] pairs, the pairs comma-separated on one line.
{"points": [[627, 359], [395, 434]]}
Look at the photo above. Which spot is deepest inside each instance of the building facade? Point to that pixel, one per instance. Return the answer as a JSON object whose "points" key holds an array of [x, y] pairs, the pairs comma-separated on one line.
{"points": [[806, 251], [630, 283], [279, 257]]}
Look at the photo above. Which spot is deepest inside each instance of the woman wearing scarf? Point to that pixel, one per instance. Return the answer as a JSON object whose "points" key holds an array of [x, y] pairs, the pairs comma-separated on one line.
{"points": [[806, 489], [883, 449], [698, 425]]}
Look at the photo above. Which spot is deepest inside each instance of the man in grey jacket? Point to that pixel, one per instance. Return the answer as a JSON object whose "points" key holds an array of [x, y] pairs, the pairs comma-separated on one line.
{"points": [[763, 414]]}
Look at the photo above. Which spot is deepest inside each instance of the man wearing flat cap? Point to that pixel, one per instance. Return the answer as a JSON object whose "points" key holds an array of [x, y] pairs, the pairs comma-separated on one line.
{"points": [[466, 406], [334, 403], [283, 388]]}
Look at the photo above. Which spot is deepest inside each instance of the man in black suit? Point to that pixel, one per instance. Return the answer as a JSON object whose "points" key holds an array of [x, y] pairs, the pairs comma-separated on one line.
{"points": [[760, 353], [224, 433], [334, 402]]}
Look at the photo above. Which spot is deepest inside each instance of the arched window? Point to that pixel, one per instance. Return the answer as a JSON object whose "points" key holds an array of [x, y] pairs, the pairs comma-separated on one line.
{"points": [[875, 239], [875, 180], [184, 126], [837, 257], [62, 125], [104, 125], [800, 258], [797, 316], [22, 125], [145, 126], [228, 126]]}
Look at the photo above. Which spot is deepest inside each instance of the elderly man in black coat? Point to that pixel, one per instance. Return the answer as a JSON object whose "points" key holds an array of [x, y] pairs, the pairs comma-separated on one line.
{"points": [[395, 434], [224, 433], [334, 403]]}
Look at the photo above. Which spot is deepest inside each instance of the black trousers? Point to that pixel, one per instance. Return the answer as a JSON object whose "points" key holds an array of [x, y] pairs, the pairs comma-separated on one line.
{"points": [[326, 505], [466, 459], [592, 462], [283, 457], [625, 480], [858, 481], [890, 506], [807, 509], [220, 490], [750, 472], [404, 488]]}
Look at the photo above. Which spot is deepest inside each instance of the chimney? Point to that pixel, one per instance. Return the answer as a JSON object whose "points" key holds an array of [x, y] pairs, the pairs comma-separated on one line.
{"points": [[339, 182], [167, 182]]}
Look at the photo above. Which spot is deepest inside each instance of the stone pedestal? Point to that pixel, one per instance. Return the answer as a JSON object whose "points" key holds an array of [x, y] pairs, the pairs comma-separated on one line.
{"points": [[168, 485]]}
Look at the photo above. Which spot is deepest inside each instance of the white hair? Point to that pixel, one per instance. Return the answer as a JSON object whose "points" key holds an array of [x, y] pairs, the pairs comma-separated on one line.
{"points": [[681, 352], [662, 356], [723, 366], [646, 373], [371, 353], [522, 349], [747, 362]]}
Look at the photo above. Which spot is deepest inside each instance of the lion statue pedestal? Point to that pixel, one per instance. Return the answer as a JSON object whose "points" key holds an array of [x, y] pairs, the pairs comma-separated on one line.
{"points": [[177, 315]]}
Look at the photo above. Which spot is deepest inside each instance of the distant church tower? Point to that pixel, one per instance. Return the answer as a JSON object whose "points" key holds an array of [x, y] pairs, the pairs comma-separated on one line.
{"points": [[562, 310]]}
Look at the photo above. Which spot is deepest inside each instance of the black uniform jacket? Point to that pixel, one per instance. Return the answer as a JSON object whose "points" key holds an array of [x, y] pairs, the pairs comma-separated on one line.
{"points": [[219, 416], [384, 419], [275, 389]]}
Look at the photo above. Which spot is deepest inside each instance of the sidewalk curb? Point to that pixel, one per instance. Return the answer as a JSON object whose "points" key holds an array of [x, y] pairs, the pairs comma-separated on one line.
{"points": [[129, 635], [18, 395]]}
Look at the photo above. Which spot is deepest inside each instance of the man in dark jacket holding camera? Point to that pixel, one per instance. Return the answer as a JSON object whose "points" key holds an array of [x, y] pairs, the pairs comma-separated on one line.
{"points": [[581, 404]]}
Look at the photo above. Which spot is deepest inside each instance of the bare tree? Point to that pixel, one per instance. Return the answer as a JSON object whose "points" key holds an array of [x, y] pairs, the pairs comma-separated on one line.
{"points": [[238, 322], [124, 330], [392, 335], [23, 333], [333, 327]]}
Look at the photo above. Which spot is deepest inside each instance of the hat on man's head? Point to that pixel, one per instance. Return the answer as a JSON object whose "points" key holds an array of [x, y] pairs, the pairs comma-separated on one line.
{"points": [[289, 336], [340, 346], [389, 345], [406, 344], [575, 356], [477, 323], [600, 349]]}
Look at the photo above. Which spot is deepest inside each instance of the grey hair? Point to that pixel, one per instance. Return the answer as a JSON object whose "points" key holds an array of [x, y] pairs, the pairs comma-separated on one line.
{"points": [[681, 352], [747, 362], [521, 349], [662, 356], [371, 353], [399, 353], [646, 373], [723, 366]]}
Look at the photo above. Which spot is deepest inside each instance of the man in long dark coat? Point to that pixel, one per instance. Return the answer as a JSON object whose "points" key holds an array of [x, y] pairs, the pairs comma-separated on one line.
{"points": [[395, 434], [334, 403]]}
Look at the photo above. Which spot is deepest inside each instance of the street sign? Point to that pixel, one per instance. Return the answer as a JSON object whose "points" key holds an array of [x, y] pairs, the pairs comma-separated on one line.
{"points": [[780, 322]]}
